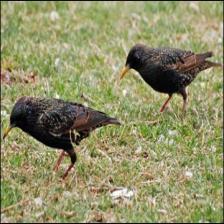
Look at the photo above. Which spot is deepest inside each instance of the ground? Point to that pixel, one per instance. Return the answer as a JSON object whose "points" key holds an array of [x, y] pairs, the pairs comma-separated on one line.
{"points": [[172, 164]]}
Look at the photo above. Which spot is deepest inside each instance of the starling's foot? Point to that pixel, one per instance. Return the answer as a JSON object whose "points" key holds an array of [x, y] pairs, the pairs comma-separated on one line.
{"points": [[67, 171], [78, 149], [164, 109]]}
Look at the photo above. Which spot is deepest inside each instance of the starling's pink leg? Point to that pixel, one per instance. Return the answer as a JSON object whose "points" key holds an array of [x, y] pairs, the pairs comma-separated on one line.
{"points": [[72, 155], [59, 161], [165, 104], [67, 171]]}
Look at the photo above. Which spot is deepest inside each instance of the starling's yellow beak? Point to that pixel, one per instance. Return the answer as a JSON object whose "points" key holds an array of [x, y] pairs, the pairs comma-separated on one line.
{"points": [[124, 71], [7, 131]]}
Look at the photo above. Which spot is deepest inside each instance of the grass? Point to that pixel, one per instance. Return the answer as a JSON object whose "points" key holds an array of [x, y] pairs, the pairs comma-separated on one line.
{"points": [[80, 51]]}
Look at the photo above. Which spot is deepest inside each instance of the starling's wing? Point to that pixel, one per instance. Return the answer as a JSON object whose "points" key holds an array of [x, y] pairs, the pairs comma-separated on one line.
{"points": [[185, 62], [59, 119], [90, 119], [171, 58], [72, 116]]}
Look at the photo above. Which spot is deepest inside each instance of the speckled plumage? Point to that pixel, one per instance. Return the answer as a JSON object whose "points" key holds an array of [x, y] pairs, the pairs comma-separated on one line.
{"points": [[168, 70], [57, 123]]}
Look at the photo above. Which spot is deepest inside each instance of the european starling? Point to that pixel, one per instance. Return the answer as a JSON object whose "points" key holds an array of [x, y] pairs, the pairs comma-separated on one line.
{"points": [[57, 123], [167, 70]]}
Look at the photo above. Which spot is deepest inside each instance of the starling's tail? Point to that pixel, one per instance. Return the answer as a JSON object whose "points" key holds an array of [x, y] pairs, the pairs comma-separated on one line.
{"points": [[213, 64], [205, 64], [203, 56]]}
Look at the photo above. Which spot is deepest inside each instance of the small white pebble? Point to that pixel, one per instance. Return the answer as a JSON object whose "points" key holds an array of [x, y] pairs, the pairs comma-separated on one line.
{"points": [[85, 104], [54, 16], [202, 221], [138, 150], [124, 192], [188, 174], [114, 68], [4, 113], [152, 201], [5, 219], [134, 131], [212, 149], [67, 194], [39, 214], [57, 62], [220, 40], [202, 84], [136, 16], [38, 201], [162, 211], [56, 96], [172, 132], [161, 138], [124, 92], [194, 6], [66, 46]]}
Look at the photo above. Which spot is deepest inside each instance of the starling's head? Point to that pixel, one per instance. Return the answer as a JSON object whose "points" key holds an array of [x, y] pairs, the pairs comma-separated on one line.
{"points": [[19, 114], [135, 59]]}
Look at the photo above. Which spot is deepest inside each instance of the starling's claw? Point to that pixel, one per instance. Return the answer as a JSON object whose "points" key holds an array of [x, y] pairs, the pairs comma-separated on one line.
{"points": [[67, 171]]}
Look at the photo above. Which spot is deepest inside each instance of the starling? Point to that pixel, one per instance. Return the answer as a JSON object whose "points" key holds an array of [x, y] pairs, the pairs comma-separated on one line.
{"points": [[167, 70], [57, 123]]}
